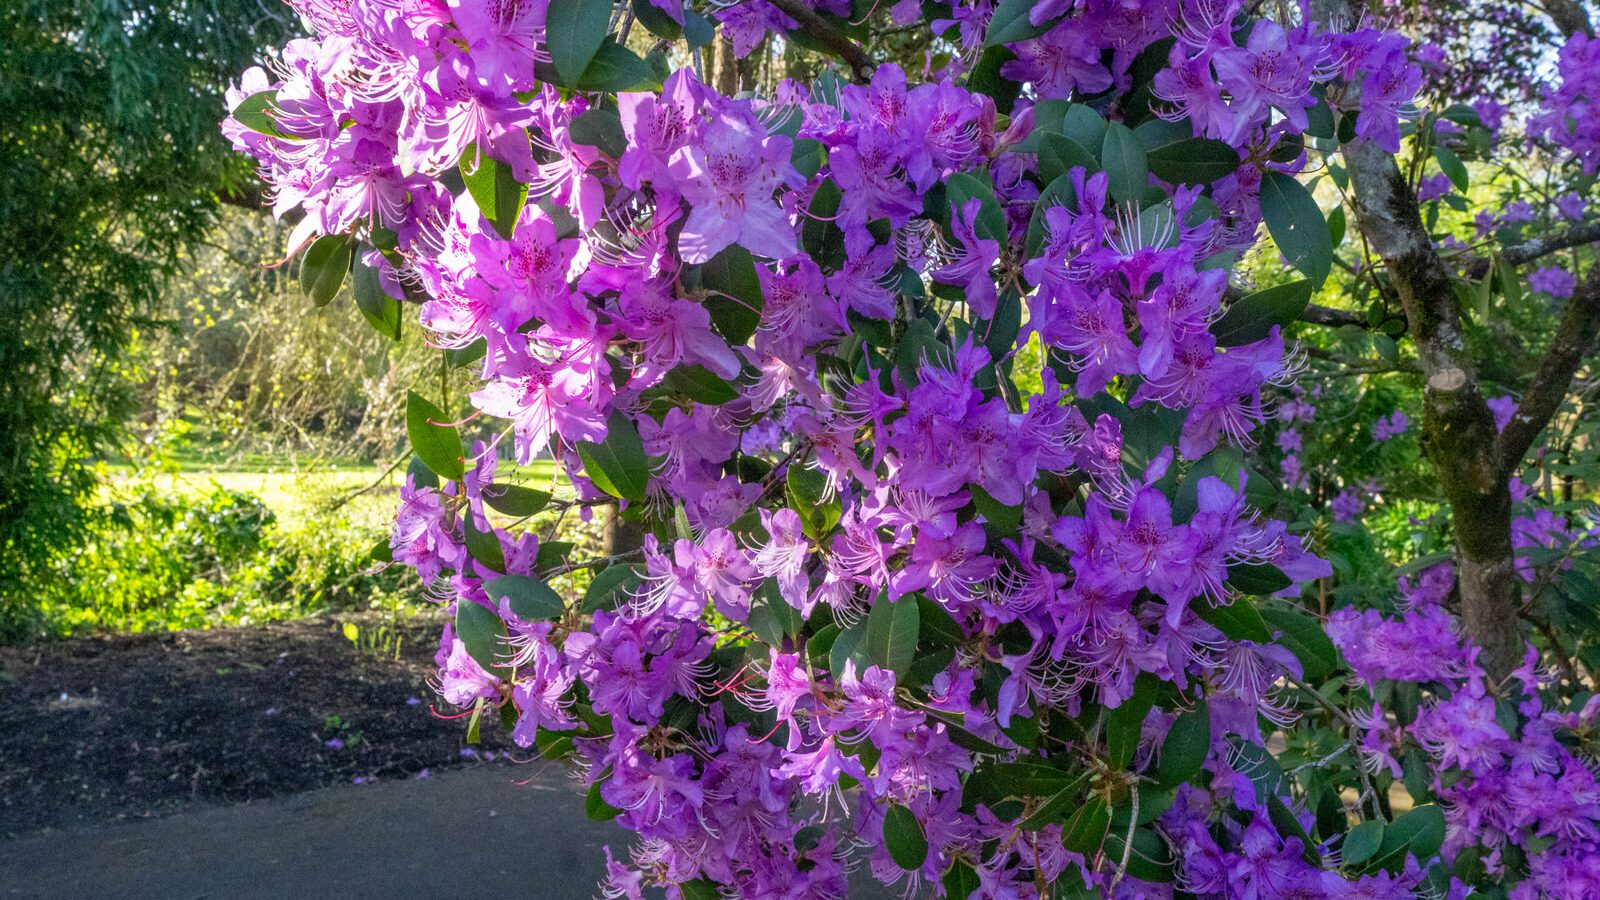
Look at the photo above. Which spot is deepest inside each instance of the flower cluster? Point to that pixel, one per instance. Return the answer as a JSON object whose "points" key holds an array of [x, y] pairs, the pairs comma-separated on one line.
{"points": [[899, 602], [1568, 117]]}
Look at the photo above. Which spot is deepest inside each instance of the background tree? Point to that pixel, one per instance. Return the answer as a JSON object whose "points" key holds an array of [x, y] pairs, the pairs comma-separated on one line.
{"points": [[111, 165]]}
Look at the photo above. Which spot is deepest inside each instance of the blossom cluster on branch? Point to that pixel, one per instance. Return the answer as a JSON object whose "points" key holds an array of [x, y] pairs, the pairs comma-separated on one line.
{"points": [[903, 602]]}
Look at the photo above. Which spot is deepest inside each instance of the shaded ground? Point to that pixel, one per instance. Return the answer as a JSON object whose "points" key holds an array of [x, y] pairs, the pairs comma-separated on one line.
{"points": [[472, 832], [97, 730]]}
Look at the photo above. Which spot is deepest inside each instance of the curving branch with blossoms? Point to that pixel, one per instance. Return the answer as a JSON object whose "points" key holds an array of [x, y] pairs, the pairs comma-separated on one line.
{"points": [[929, 393]]}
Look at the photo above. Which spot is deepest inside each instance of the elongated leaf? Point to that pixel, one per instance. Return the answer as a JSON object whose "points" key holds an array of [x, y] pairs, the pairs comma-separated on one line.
{"points": [[530, 598], [323, 266], [964, 186], [961, 881], [1362, 842], [601, 127], [255, 113], [892, 633], [1297, 225], [617, 465], [1085, 126], [574, 31], [1125, 163], [806, 491], [903, 838], [849, 646], [1188, 741], [483, 545], [1086, 830], [611, 587], [514, 499], [1198, 161], [438, 445], [615, 68], [1125, 723], [735, 302], [499, 195], [1302, 635], [595, 806], [1239, 620], [701, 385], [483, 634], [381, 310], [1010, 23], [772, 618], [1250, 319], [1260, 580], [1453, 168], [1059, 155], [1056, 808]]}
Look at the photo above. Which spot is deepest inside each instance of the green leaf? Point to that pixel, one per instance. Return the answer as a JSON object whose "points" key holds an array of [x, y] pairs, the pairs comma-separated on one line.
{"points": [[656, 20], [964, 186], [805, 489], [771, 617], [255, 113], [903, 837], [985, 78], [1239, 620], [595, 806], [849, 646], [700, 385], [699, 889], [483, 546], [515, 500], [483, 634], [1010, 24], [736, 303], [892, 628], [1125, 723], [615, 68], [1250, 318], [1188, 741], [1085, 126], [1125, 163], [602, 127], [611, 586], [1337, 224], [530, 598], [961, 881], [1056, 808], [1259, 580], [380, 309], [1362, 842], [438, 445], [1302, 635], [617, 465], [1197, 161], [1059, 155], [499, 195], [1453, 168], [323, 266], [1086, 830], [551, 555], [1297, 225], [574, 31], [1419, 833]]}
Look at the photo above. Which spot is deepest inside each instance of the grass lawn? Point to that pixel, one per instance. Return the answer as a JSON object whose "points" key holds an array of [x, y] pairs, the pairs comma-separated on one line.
{"points": [[295, 493]]}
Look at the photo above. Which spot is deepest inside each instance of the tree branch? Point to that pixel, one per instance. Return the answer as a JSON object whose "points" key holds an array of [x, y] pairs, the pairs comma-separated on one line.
{"points": [[837, 43], [1573, 342], [1528, 251], [1569, 16], [1331, 317]]}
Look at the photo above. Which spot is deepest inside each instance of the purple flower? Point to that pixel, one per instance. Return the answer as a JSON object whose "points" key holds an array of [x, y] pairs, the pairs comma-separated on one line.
{"points": [[728, 176], [1553, 280]]}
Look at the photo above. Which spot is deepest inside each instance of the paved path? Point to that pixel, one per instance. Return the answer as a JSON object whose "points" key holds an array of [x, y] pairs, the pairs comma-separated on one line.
{"points": [[466, 833]]}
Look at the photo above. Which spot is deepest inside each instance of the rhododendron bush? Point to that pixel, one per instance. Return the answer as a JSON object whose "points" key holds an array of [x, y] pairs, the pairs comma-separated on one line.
{"points": [[940, 397]]}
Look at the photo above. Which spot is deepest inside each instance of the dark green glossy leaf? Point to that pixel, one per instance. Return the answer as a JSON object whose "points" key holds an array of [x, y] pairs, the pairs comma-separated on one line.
{"points": [[1250, 318], [483, 545], [437, 444], [1085, 832], [1302, 635], [380, 310], [1239, 620], [323, 266], [1188, 741], [1125, 164], [514, 499], [735, 302], [1362, 842], [806, 491], [1257, 580], [574, 32], [483, 634], [615, 68], [1010, 24], [701, 385], [892, 629], [903, 838], [499, 195], [530, 598], [617, 465], [611, 587], [1297, 225]]}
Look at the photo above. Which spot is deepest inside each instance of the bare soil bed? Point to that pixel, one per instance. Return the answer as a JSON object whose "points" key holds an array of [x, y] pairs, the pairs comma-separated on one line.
{"points": [[101, 729]]}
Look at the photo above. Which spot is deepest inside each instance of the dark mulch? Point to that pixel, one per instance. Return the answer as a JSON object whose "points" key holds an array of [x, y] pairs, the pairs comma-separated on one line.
{"points": [[100, 729]]}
